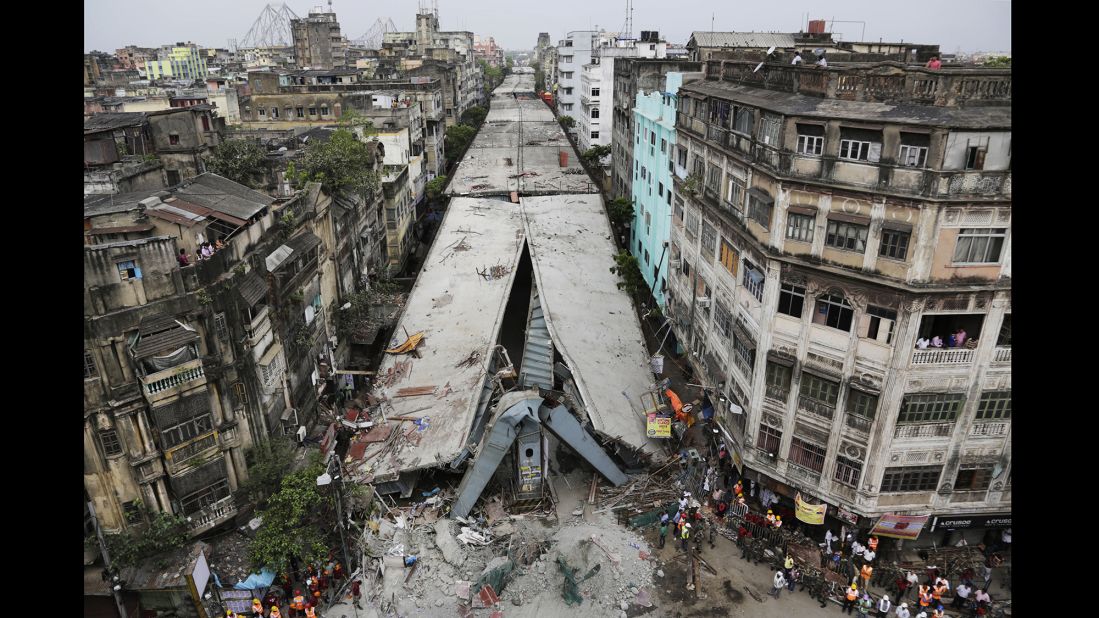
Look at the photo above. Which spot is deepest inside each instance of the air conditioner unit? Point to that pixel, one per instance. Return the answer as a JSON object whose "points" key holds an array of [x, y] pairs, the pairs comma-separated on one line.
{"points": [[703, 301]]}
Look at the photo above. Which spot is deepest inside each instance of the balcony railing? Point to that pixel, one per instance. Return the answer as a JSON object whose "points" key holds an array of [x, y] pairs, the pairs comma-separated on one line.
{"points": [[805, 474], [213, 514], [181, 455], [859, 423], [929, 430], [1002, 355], [989, 429], [172, 377], [943, 356], [817, 408], [777, 393]]}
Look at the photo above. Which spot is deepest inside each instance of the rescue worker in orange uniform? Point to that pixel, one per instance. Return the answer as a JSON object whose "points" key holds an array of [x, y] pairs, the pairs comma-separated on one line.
{"points": [[297, 604], [275, 613], [770, 517], [937, 593], [257, 607], [925, 597], [865, 574], [849, 599], [778, 521], [310, 612]]}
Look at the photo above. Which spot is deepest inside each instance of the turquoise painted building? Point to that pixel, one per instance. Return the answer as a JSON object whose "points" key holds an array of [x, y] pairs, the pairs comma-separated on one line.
{"points": [[653, 148]]}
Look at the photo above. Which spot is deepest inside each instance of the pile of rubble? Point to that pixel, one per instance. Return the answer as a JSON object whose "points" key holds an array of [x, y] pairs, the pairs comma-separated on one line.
{"points": [[427, 564]]}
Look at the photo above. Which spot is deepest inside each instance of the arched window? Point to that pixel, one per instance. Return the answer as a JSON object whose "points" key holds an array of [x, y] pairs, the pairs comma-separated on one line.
{"points": [[833, 310]]}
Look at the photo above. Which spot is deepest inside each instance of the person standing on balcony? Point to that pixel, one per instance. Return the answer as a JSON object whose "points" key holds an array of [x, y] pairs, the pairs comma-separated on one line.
{"points": [[936, 342], [961, 336], [934, 64], [822, 61], [797, 58]]}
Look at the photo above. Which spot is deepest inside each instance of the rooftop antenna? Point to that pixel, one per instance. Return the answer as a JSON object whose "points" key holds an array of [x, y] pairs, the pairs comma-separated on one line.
{"points": [[712, 16], [629, 19]]}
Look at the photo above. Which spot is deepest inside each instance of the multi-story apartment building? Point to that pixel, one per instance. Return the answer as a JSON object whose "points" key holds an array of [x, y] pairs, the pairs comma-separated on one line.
{"points": [[540, 48], [633, 76], [485, 48], [134, 57], [573, 52], [549, 69], [317, 41], [827, 223], [446, 56], [179, 62], [408, 120], [597, 85], [186, 367], [654, 150]]}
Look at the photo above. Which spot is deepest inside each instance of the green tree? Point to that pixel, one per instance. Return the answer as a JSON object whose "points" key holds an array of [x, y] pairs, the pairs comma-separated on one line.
{"points": [[474, 116], [238, 160], [998, 62], [164, 532], [509, 63], [435, 187], [458, 138], [567, 122], [592, 156], [293, 523], [343, 163], [620, 210], [627, 268], [267, 464], [358, 124]]}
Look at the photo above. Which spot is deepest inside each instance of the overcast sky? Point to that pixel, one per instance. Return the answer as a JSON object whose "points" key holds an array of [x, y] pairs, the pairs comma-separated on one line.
{"points": [[968, 25]]}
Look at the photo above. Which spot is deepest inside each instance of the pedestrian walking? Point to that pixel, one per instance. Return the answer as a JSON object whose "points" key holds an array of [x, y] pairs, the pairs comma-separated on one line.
{"points": [[828, 538], [779, 584], [902, 587], [912, 580], [663, 530], [793, 578], [850, 598], [902, 611], [884, 606], [961, 595]]}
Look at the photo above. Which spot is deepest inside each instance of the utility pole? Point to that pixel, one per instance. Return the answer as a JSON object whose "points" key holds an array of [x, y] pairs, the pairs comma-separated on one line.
{"points": [[115, 587]]}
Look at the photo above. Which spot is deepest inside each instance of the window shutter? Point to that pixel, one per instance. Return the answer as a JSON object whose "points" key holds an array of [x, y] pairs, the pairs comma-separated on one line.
{"points": [[875, 152], [979, 164]]}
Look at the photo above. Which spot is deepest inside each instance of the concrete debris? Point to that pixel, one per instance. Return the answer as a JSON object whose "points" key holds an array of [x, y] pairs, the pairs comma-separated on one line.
{"points": [[444, 540]]}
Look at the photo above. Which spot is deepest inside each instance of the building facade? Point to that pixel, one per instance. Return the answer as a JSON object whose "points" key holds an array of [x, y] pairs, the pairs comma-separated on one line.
{"points": [[818, 240], [485, 48], [573, 52], [654, 149], [597, 85], [317, 41], [181, 62], [631, 76]]}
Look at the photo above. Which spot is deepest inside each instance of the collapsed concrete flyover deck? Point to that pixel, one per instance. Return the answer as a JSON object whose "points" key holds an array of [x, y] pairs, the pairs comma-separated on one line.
{"points": [[520, 147], [492, 263]]}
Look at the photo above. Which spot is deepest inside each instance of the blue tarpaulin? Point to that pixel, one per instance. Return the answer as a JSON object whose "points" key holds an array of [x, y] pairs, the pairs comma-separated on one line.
{"points": [[256, 581]]}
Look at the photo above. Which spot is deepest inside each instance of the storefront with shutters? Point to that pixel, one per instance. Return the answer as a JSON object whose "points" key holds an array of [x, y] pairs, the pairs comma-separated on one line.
{"points": [[950, 530]]}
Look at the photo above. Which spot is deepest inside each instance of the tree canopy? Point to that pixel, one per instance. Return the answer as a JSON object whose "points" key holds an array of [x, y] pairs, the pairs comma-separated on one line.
{"points": [[458, 138], [343, 163], [435, 187], [238, 160], [164, 532], [474, 116], [594, 155], [293, 524]]}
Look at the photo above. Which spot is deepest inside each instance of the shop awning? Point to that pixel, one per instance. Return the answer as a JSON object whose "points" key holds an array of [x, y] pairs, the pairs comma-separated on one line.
{"points": [[906, 527]]}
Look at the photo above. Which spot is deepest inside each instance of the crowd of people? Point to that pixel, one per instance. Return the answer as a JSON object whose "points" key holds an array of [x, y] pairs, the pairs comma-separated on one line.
{"points": [[954, 340], [322, 582], [204, 251]]}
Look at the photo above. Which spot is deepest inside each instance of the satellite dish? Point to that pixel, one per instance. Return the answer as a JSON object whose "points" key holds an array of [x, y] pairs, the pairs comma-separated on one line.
{"points": [[770, 50], [758, 67]]}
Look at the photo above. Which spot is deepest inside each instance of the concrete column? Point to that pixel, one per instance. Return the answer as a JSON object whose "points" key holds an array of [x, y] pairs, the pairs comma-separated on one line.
{"points": [[873, 236], [162, 494], [820, 226], [231, 470], [146, 434]]}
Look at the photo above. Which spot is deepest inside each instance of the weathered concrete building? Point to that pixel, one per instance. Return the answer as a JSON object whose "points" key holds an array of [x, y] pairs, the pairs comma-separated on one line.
{"points": [[827, 223], [317, 41], [183, 137], [633, 76], [446, 56], [116, 155], [186, 367]]}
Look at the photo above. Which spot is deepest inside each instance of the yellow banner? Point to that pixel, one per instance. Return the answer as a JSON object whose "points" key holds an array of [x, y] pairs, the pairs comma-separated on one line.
{"points": [[809, 513], [658, 426]]}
